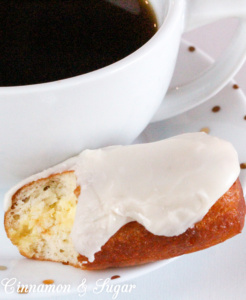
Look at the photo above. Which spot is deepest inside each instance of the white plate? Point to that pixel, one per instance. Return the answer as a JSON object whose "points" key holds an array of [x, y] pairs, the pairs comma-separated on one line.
{"points": [[228, 123]]}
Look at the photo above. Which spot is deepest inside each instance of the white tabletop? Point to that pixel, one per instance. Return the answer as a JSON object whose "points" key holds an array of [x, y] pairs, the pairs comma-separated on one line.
{"points": [[206, 274]]}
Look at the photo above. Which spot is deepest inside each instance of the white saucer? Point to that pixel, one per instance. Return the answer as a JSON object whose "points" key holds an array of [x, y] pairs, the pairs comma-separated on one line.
{"points": [[228, 123]]}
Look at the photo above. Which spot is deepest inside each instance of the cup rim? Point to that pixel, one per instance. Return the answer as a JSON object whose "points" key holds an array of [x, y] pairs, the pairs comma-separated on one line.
{"points": [[107, 70]]}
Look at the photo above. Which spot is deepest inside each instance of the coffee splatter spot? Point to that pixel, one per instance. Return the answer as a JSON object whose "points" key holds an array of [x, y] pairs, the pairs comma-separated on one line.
{"points": [[3, 268], [48, 281], [22, 290], [115, 277], [192, 49], [235, 86], [205, 129], [244, 118], [243, 166], [216, 109]]}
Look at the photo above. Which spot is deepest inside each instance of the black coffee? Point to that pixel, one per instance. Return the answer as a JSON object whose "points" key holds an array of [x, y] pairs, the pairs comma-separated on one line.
{"points": [[47, 40]]}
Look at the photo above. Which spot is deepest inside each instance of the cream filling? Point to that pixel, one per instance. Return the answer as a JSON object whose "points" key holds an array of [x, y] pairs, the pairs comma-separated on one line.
{"points": [[166, 186]]}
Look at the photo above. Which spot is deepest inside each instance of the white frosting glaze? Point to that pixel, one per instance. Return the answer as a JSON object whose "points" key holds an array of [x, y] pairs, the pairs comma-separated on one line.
{"points": [[166, 186]]}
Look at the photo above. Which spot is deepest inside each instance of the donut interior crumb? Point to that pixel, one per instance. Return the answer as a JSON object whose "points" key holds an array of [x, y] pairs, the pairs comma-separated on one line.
{"points": [[42, 216]]}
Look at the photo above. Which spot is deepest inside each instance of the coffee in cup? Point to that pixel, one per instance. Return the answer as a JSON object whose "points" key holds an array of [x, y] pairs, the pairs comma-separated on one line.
{"points": [[50, 40]]}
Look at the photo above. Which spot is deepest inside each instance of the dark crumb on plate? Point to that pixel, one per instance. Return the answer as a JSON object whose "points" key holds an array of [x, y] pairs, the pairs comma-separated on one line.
{"points": [[115, 277], [216, 109], [192, 49]]}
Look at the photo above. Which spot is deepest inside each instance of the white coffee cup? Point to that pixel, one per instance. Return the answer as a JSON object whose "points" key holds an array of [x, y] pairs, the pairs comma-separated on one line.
{"points": [[43, 124]]}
